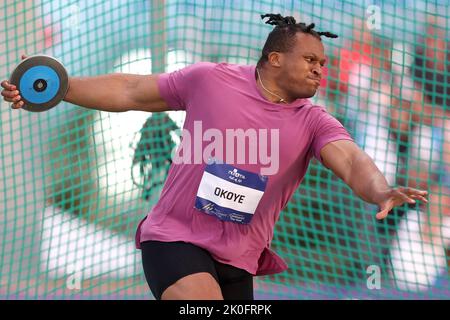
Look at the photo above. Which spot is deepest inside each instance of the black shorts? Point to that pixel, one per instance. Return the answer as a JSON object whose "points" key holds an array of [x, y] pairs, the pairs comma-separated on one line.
{"points": [[166, 262]]}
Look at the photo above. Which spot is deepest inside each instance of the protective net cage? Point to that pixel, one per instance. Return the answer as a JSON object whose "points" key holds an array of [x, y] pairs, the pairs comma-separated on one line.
{"points": [[75, 182]]}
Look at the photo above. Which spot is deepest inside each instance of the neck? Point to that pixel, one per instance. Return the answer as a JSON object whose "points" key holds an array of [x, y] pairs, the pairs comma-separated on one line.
{"points": [[268, 89]]}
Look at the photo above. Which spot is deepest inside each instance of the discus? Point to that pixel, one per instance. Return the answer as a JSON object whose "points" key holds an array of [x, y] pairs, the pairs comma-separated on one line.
{"points": [[42, 82]]}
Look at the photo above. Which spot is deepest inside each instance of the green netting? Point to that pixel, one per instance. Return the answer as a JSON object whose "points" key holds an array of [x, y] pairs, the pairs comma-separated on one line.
{"points": [[72, 177]]}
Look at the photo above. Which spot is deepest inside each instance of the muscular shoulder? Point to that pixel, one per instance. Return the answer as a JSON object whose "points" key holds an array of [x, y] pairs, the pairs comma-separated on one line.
{"points": [[204, 70], [320, 113], [320, 120], [315, 113], [199, 68], [233, 70]]}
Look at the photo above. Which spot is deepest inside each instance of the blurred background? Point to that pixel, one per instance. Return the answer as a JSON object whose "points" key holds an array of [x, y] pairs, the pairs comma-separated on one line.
{"points": [[74, 183]]}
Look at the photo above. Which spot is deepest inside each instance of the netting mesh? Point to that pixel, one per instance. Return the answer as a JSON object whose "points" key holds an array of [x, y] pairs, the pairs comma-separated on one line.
{"points": [[74, 183]]}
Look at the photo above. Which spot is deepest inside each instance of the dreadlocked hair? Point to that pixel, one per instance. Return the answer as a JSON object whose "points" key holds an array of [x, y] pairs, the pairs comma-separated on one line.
{"points": [[282, 37]]}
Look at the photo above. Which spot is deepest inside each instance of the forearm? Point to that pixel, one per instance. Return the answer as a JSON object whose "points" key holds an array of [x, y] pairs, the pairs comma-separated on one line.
{"points": [[358, 171], [366, 180], [106, 92]]}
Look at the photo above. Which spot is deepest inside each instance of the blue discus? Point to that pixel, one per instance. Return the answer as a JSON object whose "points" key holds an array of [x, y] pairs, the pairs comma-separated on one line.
{"points": [[42, 82]]}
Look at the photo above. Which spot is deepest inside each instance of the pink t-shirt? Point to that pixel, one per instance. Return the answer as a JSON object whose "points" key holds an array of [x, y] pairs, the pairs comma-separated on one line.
{"points": [[282, 138]]}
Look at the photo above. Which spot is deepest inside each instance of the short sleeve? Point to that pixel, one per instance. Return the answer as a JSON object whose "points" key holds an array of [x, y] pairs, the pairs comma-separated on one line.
{"points": [[327, 129], [176, 87]]}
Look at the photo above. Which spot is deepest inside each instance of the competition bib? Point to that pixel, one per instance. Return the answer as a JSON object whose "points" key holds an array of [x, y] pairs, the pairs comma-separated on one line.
{"points": [[229, 193]]}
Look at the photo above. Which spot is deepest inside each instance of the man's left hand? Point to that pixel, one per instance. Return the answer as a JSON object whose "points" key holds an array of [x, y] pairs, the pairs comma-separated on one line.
{"points": [[398, 196]]}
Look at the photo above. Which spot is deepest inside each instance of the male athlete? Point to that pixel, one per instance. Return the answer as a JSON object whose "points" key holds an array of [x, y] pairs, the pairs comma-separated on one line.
{"points": [[249, 135]]}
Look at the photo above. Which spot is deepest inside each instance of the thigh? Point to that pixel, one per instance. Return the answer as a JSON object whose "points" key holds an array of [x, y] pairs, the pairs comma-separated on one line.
{"points": [[235, 283], [197, 286], [165, 263]]}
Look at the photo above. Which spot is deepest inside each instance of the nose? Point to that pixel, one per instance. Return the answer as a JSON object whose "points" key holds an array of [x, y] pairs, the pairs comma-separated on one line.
{"points": [[317, 71]]}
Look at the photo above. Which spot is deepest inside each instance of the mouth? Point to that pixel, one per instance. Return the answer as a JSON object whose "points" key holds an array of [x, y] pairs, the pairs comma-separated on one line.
{"points": [[316, 81]]}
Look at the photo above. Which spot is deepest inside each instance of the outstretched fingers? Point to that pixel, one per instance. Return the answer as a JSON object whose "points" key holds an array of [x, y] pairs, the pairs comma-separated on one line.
{"points": [[403, 197], [420, 198], [399, 196], [415, 194]]}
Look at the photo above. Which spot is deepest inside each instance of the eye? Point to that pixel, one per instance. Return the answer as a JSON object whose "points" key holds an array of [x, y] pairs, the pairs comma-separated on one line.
{"points": [[309, 59]]}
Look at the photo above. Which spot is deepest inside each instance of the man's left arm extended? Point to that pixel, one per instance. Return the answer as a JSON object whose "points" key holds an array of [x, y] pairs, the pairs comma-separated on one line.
{"points": [[360, 173]]}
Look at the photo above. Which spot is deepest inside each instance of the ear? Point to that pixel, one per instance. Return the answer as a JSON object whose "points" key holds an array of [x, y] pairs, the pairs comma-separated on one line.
{"points": [[275, 58]]}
